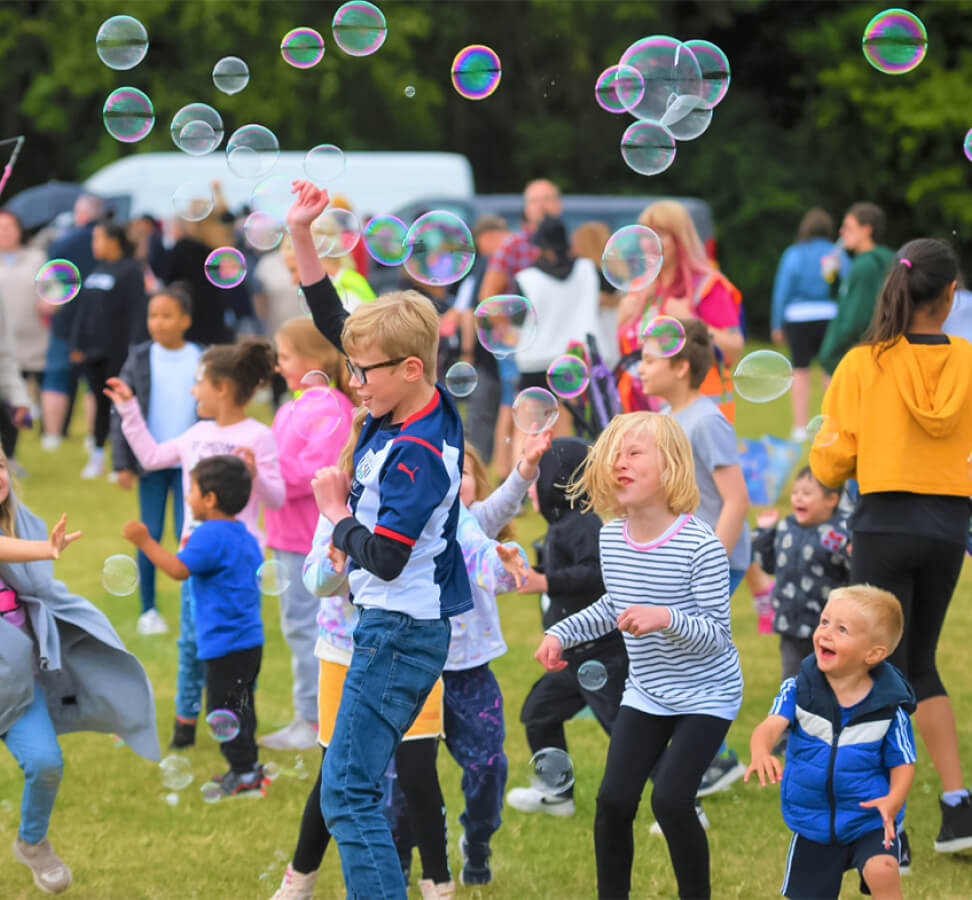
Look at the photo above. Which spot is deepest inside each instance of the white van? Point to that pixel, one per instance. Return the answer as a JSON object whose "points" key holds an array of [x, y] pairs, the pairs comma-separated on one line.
{"points": [[374, 183]]}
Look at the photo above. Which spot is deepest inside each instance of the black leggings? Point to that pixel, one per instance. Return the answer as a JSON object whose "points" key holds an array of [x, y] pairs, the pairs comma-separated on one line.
{"points": [[97, 372], [419, 780], [922, 573], [638, 741]]}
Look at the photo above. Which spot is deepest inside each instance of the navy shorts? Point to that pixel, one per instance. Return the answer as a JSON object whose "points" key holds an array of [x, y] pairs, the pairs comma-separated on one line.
{"points": [[805, 340], [814, 871]]}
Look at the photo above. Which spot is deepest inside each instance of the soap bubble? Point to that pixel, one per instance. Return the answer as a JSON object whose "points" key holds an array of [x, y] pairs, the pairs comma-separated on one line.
{"points": [[895, 41], [535, 410], [119, 575], [619, 89], [271, 771], [690, 120], [317, 412], [409, 91], [172, 799], [663, 336], [211, 792], [568, 376], [196, 129], [128, 115], [384, 238], [302, 48], [762, 375], [461, 379], [551, 771], [592, 675], [57, 282], [648, 148], [314, 378], [442, 248], [506, 323], [476, 72], [715, 71], [967, 147], [273, 578], [262, 231], [632, 258], [359, 28], [252, 151], [121, 42], [324, 163], [231, 75], [193, 200], [176, 772], [669, 69], [822, 430], [224, 725], [336, 232], [225, 267], [273, 196]]}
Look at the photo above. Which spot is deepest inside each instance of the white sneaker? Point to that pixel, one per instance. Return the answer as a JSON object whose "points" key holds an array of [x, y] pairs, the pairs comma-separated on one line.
{"points": [[703, 820], [296, 886], [531, 800], [94, 469], [151, 622], [298, 735], [50, 442]]}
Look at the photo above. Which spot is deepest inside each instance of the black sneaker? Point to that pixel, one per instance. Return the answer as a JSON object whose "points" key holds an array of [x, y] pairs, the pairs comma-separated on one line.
{"points": [[247, 784], [720, 775], [956, 831], [904, 863], [475, 862], [183, 735]]}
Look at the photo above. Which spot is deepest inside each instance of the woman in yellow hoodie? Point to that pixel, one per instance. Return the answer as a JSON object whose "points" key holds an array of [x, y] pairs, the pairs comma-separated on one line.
{"points": [[899, 404]]}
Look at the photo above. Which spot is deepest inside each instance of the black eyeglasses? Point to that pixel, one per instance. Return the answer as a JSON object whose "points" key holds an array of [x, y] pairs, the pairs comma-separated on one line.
{"points": [[361, 372]]}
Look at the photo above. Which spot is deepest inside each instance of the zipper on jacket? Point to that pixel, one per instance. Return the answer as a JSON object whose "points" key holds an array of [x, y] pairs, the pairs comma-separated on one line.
{"points": [[830, 785]]}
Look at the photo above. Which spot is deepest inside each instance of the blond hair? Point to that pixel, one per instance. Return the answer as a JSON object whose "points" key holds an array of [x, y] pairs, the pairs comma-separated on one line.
{"points": [[483, 487], [596, 486], [400, 324], [8, 508], [346, 458], [589, 239], [308, 343], [691, 261], [881, 608]]}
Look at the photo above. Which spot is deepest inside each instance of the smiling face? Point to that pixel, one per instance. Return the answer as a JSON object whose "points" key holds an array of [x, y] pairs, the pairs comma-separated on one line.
{"points": [[386, 387], [812, 505], [209, 394], [291, 365], [638, 471], [844, 641]]}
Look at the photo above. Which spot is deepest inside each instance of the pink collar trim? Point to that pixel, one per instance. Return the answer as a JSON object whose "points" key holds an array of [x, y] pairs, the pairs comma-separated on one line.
{"points": [[667, 535]]}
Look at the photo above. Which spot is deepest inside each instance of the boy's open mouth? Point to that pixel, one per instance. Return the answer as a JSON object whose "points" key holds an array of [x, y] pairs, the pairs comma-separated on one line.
{"points": [[826, 652]]}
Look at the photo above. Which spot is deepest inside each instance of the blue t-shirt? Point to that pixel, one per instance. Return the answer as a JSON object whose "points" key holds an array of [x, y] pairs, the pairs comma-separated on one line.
{"points": [[172, 408], [223, 558]]}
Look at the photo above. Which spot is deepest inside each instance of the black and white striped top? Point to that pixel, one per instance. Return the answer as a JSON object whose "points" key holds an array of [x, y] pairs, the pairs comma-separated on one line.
{"points": [[691, 666]]}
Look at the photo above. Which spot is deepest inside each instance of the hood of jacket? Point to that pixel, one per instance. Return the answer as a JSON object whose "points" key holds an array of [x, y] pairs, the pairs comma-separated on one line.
{"points": [[557, 466], [890, 689]]}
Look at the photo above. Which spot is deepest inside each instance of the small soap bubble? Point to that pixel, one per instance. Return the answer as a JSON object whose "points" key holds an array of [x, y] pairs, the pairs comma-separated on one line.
{"points": [[128, 115], [273, 197], [762, 376], [967, 147], [316, 413], [225, 267], [476, 72], [506, 323], [409, 91], [384, 238], [663, 336], [273, 578], [252, 151], [324, 163], [271, 771], [231, 75], [822, 430], [176, 772], [568, 376], [211, 792], [119, 575], [315, 378], [336, 232], [193, 200], [895, 41], [619, 89], [648, 148], [117, 740], [302, 48], [263, 231], [57, 282], [121, 42], [535, 410], [632, 258], [551, 771], [359, 28], [715, 71], [461, 379], [172, 799], [442, 248], [224, 725], [592, 675], [196, 129]]}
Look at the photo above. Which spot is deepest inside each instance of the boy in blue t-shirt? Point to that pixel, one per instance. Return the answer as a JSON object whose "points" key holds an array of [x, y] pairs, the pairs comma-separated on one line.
{"points": [[222, 558]]}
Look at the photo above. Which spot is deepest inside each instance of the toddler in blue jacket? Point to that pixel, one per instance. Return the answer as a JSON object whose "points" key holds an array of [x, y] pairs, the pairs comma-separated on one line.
{"points": [[850, 759]]}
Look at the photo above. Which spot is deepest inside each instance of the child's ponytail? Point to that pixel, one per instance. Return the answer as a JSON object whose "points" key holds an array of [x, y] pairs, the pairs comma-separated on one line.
{"points": [[249, 364]]}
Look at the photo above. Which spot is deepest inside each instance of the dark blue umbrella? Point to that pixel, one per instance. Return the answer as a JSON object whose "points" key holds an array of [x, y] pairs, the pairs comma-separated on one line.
{"points": [[39, 205]]}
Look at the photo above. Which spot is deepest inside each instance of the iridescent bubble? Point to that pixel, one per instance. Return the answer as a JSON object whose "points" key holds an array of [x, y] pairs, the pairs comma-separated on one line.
{"points": [[505, 323], [551, 771], [225, 267], [410, 91], [461, 379], [895, 41], [252, 151], [302, 48], [762, 375], [535, 410], [669, 69], [314, 378], [272, 577], [224, 725], [193, 200], [619, 89], [359, 28], [442, 250], [176, 772], [632, 258], [57, 282], [273, 196], [324, 163], [648, 148], [211, 792], [568, 376], [121, 42], [197, 129], [476, 71], [967, 145], [128, 115], [592, 675], [316, 413], [690, 122], [231, 75], [384, 238], [336, 232], [715, 71], [119, 575], [262, 232], [663, 336], [822, 430]]}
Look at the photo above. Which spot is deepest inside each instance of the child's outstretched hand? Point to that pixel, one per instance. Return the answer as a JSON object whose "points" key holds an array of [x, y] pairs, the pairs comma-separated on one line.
{"points": [[641, 620], [512, 559], [136, 532], [533, 582], [310, 203], [768, 518], [534, 447], [549, 654], [60, 538], [886, 807], [117, 391], [246, 454], [767, 768]]}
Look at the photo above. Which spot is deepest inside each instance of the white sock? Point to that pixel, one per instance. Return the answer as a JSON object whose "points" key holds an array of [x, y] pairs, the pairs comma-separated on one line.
{"points": [[954, 798], [97, 454]]}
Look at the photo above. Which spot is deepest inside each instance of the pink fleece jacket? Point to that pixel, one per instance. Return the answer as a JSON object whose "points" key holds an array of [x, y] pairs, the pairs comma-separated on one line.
{"points": [[204, 439], [291, 526]]}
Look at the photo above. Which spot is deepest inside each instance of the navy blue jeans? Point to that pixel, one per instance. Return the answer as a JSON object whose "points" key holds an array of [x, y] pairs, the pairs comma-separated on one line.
{"points": [[153, 489]]}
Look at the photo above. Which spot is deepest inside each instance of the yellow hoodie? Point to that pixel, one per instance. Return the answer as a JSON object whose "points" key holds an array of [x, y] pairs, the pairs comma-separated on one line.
{"points": [[903, 421]]}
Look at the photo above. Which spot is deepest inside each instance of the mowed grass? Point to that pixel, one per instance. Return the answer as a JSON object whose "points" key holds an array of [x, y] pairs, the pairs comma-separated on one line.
{"points": [[124, 842]]}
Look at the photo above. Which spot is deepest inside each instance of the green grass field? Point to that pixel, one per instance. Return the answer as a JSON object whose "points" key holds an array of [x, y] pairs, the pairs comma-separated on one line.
{"points": [[124, 842]]}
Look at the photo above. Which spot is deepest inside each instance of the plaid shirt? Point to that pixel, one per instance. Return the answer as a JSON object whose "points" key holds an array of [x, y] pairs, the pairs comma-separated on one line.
{"points": [[515, 254]]}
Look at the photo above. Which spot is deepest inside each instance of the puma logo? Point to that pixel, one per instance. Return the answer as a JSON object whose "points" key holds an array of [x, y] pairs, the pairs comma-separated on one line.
{"points": [[409, 472]]}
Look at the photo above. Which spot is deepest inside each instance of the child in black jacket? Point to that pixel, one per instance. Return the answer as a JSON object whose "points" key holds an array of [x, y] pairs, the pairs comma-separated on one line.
{"points": [[570, 581]]}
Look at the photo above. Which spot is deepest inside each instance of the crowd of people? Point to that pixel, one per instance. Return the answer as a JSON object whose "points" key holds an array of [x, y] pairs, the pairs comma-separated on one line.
{"points": [[393, 542]]}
